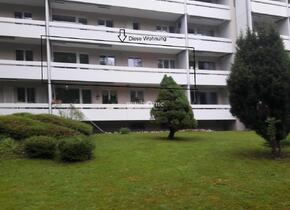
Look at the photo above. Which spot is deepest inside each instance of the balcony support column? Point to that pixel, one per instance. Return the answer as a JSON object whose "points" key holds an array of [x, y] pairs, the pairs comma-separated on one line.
{"points": [[48, 55]]}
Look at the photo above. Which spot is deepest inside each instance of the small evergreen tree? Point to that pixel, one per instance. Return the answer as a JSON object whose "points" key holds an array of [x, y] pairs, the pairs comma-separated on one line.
{"points": [[259, 86], [172, 108]]}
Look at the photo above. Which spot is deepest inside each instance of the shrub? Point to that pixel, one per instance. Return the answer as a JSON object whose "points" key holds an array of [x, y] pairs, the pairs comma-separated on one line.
{"points": [[40, 147], [75, 149], [81, 127], [124, 131], [10, 149], [20, 127]]}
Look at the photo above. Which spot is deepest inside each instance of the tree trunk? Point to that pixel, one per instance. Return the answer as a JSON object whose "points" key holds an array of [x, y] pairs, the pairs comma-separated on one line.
{"points": [[171, 133], [276, 148]]}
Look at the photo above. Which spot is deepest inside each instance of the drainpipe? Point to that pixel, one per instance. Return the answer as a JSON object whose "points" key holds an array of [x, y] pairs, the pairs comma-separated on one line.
{"points": [[187, 52], [249, 14], [48, 55]]}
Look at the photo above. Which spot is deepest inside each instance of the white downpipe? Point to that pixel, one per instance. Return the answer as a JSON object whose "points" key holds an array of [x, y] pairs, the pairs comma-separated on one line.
{"points": [[48, 55], [187, 51]]}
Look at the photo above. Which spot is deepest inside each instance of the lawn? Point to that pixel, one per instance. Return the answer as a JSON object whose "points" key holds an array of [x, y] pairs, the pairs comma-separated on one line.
{"points": [[213, 170]]}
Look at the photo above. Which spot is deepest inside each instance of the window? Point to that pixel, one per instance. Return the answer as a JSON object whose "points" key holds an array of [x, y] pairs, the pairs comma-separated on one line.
{"points": [[205, 98], [170, 29], [201, 31], [63, 18], [67, 95], [64, 57], [24, 55], [107, 60], [73, 95], [21, 95], [23, 15], [135, 62], [107, 23], [110, 97], [84, 59], [205, 32], [26, 95], [205, 65], [70, 19], [166, 64], [136, 26], [137, 96], [86, 96], [83, 21]]}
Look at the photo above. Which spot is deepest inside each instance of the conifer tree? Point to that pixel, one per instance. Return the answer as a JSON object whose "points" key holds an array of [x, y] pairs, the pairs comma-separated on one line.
{"points": [[172, 108], [259, 86]]}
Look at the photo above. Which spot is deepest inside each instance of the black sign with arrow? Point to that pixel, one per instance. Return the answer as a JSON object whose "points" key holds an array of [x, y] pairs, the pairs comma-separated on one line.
{"points": [[122, 35]]}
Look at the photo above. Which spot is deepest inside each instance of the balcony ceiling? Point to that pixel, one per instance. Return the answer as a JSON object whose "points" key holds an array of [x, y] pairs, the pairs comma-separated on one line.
{"points": [[27, 2], [122, 11]]}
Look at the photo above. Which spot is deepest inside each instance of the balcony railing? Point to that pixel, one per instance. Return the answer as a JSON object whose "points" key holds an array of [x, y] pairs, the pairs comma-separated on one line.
{"points": [[101, 34], [12, 27], [209, 10], [33, 70], [117, 112], [211, 44], [269, 7]]}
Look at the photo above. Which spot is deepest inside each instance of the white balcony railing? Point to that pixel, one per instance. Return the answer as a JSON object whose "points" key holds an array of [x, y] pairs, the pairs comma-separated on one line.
{"points": [[270, 7], [208, 10], [118, 112], [101, 35], [12, 27], [211, 44], [286, 41], [133, 75], [32, 70], [167, 6]]}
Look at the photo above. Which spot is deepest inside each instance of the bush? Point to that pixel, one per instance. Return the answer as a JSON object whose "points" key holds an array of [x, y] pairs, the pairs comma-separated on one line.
{"points": [[21, 127], [124, 131], [81, 127], [10, 149], [77, 148], [40, 147]]}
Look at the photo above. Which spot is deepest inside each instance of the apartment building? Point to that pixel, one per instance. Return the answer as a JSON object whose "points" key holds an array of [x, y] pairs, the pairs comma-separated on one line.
{"points": [[107, 58]]}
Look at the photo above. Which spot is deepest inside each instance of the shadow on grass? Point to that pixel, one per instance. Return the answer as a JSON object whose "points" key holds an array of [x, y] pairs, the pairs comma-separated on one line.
{"points": [[259, 154], [178, 138]]}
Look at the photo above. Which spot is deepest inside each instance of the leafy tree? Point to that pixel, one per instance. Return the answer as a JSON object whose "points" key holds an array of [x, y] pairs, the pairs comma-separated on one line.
{"points": [[259, 86], [172, 108]]}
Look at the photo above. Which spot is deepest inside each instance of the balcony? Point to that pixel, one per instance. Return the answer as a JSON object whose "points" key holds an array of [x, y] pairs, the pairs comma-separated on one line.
{"points": [[208, 10], [119, 112], [211, 44], [12, 27], [162, 6], [26, 70], [10, 69], [270, 7], [108, 36]]}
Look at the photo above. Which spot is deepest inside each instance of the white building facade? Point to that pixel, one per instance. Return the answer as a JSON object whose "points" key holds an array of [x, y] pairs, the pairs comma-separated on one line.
{"points": [[107, 58]]}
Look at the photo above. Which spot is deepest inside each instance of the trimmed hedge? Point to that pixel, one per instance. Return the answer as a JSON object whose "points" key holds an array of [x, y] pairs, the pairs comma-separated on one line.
{"points": [[40, 147], [124, 131], [78, 148], [20, 127], [10, 148], [81, 127]]}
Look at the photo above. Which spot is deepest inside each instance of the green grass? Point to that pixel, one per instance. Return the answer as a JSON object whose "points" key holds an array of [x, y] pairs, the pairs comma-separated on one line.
{"points": [[216, 170]]}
